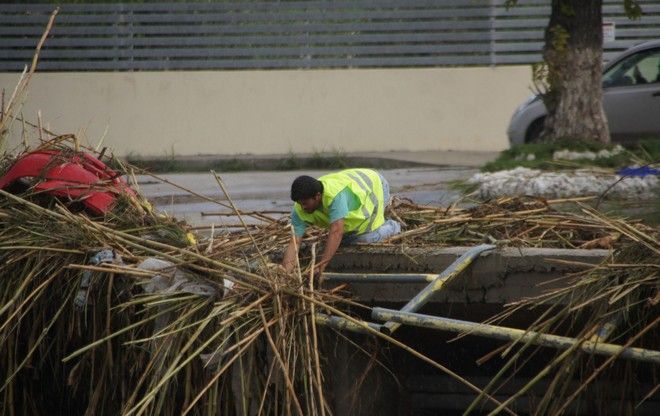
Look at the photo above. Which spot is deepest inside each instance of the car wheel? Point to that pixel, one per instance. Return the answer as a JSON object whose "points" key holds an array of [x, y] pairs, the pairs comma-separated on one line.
{"points": [[534, 131]]}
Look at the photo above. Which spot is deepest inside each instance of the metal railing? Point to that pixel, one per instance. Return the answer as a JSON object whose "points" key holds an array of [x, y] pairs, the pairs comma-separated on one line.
{"points": [[392, 319]]}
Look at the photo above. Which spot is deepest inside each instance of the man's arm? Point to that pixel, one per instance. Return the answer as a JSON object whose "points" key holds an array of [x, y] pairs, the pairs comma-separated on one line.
{"points": [[290, 254], [331, 245]]}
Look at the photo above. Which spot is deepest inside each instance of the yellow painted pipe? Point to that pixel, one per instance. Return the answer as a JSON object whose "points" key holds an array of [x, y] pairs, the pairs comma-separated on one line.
{"points": [[512, 334], [448, 274], [337, 322], [331, 277]]}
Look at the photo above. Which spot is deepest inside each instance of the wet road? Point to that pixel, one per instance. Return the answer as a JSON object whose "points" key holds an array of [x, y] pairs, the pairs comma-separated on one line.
{"points": [[269, 191]]}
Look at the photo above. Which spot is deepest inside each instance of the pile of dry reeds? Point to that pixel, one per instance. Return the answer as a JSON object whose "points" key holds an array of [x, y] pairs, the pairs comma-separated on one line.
{"points": [[511, 221], [508, 221], [164, 324], [614, 302], [129, 314], [125, 314]]}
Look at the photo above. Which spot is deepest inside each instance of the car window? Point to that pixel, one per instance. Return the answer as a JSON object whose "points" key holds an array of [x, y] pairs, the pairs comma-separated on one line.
{"points": [[638, 69]]}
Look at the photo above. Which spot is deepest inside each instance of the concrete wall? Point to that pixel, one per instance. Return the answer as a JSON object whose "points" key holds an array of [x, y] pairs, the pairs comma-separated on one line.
{"points": [[497, 277], [265, 112]]}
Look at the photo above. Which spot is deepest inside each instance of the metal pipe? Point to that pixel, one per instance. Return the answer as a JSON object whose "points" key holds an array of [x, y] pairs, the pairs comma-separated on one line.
{"points": [[513, 334], [607, 329], [378, 277], [449, 273], [337, 322]]}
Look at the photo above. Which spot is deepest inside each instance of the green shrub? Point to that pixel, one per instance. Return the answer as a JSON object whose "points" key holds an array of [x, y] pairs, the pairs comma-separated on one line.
{"points": [[642, 152]]}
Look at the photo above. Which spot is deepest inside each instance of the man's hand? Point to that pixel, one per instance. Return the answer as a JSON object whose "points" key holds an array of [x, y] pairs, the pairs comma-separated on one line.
{"points": [[318, 272], [331, 245]]}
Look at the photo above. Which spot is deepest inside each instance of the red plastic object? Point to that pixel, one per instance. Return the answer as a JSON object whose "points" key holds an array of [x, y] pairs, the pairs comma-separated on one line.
{"points": [[77, 176]]}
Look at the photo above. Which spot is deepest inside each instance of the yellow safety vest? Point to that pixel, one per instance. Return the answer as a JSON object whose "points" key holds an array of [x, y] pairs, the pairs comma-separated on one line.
{"points": [[366, 185]]}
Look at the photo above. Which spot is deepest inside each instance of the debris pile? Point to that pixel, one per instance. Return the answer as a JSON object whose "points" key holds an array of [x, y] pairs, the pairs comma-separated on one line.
{"points": [[510, 221], [124, 312]]}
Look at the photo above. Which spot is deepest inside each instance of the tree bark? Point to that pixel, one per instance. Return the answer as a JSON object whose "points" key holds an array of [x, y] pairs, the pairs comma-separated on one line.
{"points": [[573, 53]]}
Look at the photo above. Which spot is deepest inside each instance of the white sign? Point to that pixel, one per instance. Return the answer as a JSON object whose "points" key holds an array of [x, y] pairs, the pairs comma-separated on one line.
{"points": [[609, 32]]}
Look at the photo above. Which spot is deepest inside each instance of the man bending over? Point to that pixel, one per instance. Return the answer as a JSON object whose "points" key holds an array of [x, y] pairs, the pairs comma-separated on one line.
{"points": [[350, 203]]}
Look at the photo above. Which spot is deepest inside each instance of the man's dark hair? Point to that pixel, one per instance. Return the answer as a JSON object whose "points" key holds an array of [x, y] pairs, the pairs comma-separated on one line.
{"points": [[305, 187]]}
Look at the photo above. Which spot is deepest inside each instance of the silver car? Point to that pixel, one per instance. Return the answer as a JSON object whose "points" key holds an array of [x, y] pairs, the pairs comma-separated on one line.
{"points": [[631, 99]]}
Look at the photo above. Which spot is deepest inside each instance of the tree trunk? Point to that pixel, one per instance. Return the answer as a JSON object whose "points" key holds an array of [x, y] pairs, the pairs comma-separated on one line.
{"points": [[573, 53]]}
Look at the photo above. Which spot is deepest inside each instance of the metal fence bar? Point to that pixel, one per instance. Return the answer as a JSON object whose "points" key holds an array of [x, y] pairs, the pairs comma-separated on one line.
{"points": [[330, 277], [438, 283]]}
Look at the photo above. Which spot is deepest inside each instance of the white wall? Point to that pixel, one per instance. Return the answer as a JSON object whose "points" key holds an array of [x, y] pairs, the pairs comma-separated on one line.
{"points": [[265, 112]]}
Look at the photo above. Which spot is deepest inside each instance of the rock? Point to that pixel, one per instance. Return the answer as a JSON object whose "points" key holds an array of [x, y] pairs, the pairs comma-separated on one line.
{"points": [[524, 181]]}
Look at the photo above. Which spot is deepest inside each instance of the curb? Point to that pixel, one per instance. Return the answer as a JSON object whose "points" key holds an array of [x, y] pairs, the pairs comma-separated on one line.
{"points": [[237, 163]]}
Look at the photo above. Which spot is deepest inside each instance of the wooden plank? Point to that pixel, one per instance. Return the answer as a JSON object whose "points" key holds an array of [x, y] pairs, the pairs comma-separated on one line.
{"points": [[262, 28], [535, 34], [520, 23], [645, 21], [518, 59], [205, 53], [617, 9], [522, 3], [257, 6], [243, 17], [161, 64], [285, 5], [544, 11], [638, 32], [256, 40], [504, 48]]}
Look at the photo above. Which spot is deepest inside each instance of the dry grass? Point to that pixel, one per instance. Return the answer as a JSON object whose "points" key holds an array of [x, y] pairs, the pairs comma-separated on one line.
{"points": [[130, 350], [221, 330], [254, 347]]}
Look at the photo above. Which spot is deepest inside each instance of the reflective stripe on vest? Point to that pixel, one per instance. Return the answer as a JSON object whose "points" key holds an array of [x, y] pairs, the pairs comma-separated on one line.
{"points": [[367, 187], [374, 200]]}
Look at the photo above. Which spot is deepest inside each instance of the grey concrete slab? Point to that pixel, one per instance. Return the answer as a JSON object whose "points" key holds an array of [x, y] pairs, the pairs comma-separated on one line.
{"points": [[497, 277]]}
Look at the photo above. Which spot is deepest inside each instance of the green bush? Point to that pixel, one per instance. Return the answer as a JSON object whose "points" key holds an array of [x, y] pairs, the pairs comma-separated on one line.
{"points": [[643, 152]]}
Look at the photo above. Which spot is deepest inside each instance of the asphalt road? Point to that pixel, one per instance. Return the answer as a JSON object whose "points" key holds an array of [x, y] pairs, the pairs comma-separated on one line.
{"points": [[269, 191]]}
